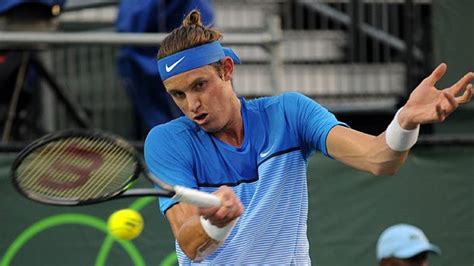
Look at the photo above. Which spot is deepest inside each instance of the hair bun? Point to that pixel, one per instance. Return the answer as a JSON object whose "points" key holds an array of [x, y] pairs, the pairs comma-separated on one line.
{"points": [[193, 18], [190, 34]]}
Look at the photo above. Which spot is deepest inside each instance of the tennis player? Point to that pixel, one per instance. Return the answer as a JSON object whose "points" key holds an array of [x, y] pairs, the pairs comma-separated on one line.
{"points": [[253, 154]]}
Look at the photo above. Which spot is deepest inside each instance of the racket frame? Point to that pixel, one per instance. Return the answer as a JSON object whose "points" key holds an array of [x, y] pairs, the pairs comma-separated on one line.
{"points": [[93, 134]]}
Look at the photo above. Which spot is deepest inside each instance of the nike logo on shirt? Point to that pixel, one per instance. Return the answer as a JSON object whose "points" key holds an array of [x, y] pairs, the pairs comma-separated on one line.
{"points": [[264, 154], [170, 68]]}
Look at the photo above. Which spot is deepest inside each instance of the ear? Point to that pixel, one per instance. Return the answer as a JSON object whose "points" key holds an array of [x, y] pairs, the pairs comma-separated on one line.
{"points": [[228, 67]]}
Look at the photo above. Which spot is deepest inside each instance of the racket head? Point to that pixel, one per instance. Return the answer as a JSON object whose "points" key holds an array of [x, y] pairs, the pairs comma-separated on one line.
{"points": [[76, 167]]}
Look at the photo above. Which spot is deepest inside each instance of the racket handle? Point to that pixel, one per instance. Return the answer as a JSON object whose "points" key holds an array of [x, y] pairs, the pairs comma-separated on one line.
{"points": [[196, 197]]}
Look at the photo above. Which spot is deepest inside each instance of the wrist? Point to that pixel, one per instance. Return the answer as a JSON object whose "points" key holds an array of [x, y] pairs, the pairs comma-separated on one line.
{"points": [[397, 137], [404, 121], [215, 232]]}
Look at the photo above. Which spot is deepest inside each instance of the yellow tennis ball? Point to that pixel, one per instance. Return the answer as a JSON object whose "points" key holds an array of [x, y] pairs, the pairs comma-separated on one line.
{"points": [[125, 224]]}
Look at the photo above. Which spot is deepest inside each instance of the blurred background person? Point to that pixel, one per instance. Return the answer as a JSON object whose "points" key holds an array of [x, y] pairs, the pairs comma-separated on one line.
{"points": [[19, 79], [137, 65], [404, 245]]}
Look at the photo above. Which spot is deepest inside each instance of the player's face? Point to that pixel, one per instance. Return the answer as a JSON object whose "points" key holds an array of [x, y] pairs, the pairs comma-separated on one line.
{"points": [[205, 96]]}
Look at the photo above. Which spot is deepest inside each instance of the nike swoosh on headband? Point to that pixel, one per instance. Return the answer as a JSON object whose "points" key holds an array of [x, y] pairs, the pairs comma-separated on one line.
{"points": [[170, 68]]}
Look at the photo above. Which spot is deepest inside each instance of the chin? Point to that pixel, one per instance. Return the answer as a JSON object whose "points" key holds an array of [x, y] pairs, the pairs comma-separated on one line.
{"points": [[211, 129]]}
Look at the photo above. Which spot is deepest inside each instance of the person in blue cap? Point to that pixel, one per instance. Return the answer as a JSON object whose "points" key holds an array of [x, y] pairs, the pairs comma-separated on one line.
{"points": [[137, 65], [404, 245], [253, 154]]}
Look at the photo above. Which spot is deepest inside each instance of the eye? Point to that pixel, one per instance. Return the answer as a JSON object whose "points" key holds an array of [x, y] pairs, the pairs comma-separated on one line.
{"points": [[177, 94], [199, 85]]}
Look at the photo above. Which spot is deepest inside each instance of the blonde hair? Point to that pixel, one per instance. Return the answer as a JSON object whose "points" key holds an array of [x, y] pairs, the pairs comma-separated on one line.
{"points": [[190, 34]]}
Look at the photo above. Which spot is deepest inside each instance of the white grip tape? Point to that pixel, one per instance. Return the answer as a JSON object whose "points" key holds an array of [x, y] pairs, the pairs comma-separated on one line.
{"points": [[398, 138], [196, 197], [217, 233]]}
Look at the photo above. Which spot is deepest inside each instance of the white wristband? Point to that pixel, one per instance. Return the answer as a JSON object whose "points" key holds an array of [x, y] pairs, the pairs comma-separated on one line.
{"points": [[398, 138], [217, 233]]}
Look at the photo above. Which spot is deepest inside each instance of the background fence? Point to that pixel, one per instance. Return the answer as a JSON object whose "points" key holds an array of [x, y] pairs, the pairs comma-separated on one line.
{"points": [[349, 55]]}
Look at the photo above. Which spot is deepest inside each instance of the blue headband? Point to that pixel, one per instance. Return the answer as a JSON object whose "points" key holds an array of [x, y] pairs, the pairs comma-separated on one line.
{"points": [[193, 58]]}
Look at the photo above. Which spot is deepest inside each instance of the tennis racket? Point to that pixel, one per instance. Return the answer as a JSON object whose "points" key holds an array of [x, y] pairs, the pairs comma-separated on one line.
{"points": [[85, 167]]}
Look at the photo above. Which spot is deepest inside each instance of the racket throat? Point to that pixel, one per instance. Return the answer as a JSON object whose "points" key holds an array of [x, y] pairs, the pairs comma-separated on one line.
{"points": [[147, 192], [196, 197]]}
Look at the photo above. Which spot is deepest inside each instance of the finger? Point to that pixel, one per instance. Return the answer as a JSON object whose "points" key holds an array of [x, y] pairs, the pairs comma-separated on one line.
{"points": [[231, 211], [436, 74], [222, 216], [208, 212], [453, 104], [467, 95], [231, 215], [439, 113], [223, 223], [461, 84], [236, 211], [226, 208]]}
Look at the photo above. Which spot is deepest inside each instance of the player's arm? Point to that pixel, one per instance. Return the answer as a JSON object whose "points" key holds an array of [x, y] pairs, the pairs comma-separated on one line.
{"points": [[200, 231], [386, 153], [364, 152]]}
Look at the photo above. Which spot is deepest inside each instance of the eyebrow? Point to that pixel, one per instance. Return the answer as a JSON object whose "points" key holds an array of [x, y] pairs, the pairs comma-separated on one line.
{"points": [[197, 80], [192, 84]]}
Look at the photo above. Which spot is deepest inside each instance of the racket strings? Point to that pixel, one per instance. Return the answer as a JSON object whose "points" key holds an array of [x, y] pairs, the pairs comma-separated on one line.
{"points": [[118, 167], [39, 168], [77, 169], [63, 176], [59, 172], [31, 175], [85, 191], [99, 148]]}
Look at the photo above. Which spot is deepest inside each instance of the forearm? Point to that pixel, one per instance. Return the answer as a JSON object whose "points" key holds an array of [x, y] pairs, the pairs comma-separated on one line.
{"points": [[194, 241], [381, 155], [189, 232], [384, 160], [197, 236], [365, 152]]}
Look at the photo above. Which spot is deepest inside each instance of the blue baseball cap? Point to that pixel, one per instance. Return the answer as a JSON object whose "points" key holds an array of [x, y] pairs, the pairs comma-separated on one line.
{"points": [[403, 241]]}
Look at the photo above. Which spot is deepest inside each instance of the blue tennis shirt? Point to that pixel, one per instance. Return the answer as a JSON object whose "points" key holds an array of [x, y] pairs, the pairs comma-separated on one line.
{"points": [[268, 174]]}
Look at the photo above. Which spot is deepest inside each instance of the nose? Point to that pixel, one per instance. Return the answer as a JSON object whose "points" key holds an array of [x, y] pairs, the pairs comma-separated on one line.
{"points": [[194, 103]]}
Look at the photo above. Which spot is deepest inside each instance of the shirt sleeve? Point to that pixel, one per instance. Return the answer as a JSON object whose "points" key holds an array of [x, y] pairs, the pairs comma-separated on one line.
{"points": [[168, 158], [311, 121]]}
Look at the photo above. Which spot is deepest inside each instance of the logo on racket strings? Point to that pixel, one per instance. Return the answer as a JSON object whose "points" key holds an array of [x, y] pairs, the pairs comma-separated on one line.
{"points": [[82, 171]]}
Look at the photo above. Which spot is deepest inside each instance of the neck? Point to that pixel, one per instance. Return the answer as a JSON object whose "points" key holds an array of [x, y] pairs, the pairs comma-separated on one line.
{"points": [[233, 132]]}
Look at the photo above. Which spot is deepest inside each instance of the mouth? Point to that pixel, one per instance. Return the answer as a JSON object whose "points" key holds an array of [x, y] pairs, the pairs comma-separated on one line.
{"points": [[200, 119]]}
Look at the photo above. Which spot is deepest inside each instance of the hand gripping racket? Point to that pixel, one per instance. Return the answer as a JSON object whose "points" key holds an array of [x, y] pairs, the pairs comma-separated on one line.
{"points": [[85, 167]]}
